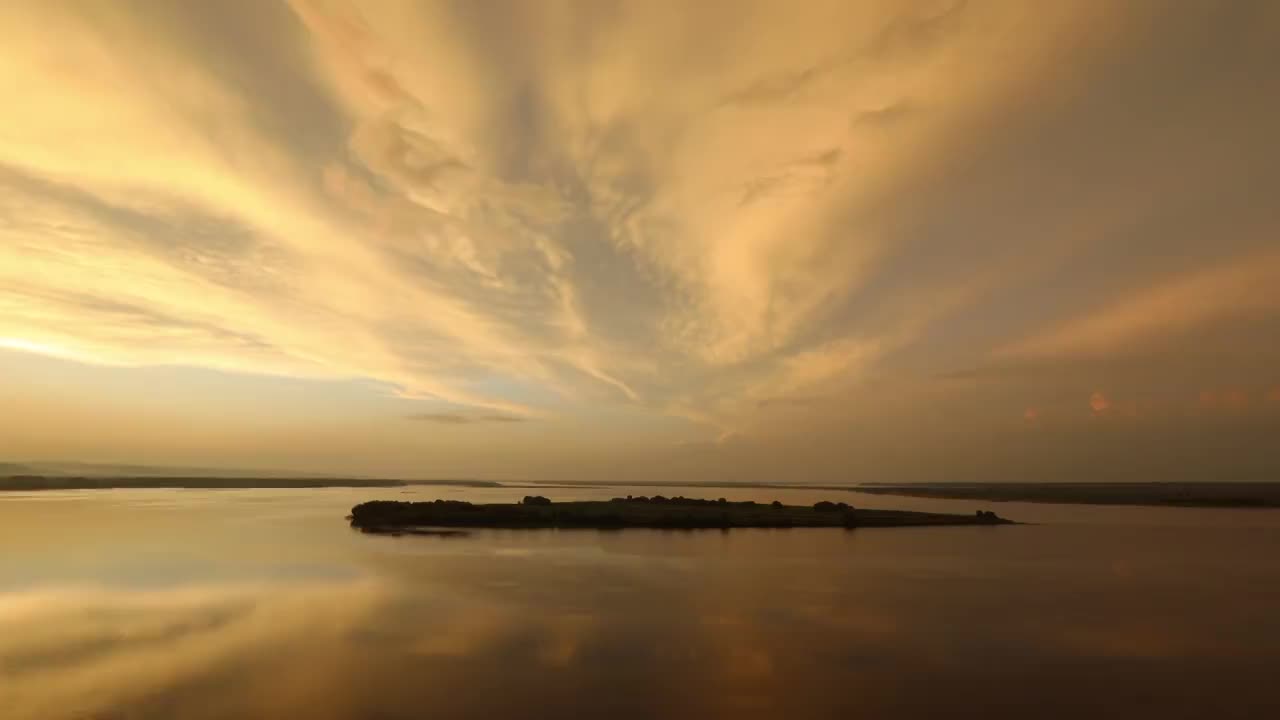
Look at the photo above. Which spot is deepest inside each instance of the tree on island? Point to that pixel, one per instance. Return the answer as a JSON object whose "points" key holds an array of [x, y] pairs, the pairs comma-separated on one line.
{"points": [[535, 500]]}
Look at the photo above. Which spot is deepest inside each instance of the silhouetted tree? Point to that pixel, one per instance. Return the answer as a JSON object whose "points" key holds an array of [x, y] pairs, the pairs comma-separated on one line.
{"points": [[535, 500], [776, 504]]}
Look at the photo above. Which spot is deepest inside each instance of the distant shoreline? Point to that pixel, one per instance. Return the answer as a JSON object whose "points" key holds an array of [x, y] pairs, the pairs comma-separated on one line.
{"points": [[35, 483], [1258, 495]]}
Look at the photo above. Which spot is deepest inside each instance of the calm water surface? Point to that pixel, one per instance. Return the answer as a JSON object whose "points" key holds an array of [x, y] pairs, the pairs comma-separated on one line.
{"points": [[186, 604]]}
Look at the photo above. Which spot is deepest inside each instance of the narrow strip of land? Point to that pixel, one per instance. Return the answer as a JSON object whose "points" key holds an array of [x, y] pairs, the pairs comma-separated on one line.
{"points": [[384, 516], [1175, 494]]}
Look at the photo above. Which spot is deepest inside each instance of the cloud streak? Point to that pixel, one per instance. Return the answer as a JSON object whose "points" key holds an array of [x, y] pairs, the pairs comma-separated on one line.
{"points": [[458, 419]]}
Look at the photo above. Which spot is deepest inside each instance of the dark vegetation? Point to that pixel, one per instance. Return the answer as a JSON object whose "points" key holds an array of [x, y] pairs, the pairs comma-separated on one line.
{"points": [[536, 511]]}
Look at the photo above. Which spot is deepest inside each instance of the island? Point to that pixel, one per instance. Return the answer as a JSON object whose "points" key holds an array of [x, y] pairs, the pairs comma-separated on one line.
{"points": [[657, 512]]}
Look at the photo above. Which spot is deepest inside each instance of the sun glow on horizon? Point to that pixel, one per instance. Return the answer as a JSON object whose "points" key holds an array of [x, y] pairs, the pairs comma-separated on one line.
{"points": [[41, 348]]}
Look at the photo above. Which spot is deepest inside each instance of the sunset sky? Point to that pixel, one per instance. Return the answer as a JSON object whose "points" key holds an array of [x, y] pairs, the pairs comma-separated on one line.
{"points": [[758, 241]]}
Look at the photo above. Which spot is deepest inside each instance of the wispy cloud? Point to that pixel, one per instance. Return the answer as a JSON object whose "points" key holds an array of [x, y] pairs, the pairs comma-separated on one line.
{"points": [[1175, 305], [703, 216], [460, 419]]}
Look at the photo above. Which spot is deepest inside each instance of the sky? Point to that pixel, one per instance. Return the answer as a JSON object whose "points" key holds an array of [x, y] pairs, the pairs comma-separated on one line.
{"points": [[871, 241]]}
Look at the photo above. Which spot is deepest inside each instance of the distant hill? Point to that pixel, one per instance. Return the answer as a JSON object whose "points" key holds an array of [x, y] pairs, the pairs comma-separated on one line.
{"points": [[8, 469]]}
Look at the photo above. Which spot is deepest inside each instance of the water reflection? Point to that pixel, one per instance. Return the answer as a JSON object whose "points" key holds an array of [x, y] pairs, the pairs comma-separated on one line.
{"points": [[274, 609], [102, 653]]}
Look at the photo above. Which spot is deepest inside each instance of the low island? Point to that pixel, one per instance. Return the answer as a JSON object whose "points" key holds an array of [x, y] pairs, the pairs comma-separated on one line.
{"points": [[392, 517]]}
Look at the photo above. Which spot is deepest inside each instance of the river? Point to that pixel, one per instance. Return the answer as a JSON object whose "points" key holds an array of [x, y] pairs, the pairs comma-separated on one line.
{"points": [[195, 604]]}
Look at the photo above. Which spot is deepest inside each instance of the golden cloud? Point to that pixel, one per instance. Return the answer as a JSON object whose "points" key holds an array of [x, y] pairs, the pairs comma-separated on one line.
{"points": [[707, 211]]}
